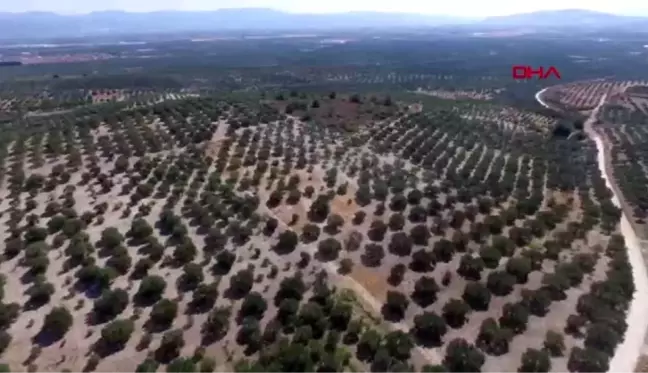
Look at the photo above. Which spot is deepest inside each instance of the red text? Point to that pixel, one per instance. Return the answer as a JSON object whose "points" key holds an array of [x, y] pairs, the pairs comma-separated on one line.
{"points": [[528, 72]]}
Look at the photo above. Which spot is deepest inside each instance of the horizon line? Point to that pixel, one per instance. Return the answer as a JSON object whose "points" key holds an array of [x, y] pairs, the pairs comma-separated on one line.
{"points": [[308, 13]]}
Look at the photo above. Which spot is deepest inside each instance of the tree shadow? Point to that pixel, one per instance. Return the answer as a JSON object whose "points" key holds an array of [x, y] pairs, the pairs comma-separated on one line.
{"points": [[209, 339], [143, 301], [93, 318], [32, 305], [283, 250], [192, 221], [91, 291], [28, 278], [162, 230], [138, 275], [153, 327], [46, 339], [183, 285], [164, 356], [370, 261], [423, 299], [331, 230], [364, 353], [103, 251], [219, 269], [324, 258], [235, 293], [160, 194], [133, 241], [68, 265], [390, 314], [196, 308], [202, 230], [251, 349], [103, 349], [427, 342]]}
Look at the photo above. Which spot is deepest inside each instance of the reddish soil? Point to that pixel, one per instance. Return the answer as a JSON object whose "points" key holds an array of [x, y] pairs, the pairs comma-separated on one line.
{"points": [[372, 280], [345, 206], [341, 112]]}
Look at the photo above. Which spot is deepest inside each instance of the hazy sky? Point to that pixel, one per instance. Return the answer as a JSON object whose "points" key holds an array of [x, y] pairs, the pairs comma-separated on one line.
{"points": [[452, 7]]}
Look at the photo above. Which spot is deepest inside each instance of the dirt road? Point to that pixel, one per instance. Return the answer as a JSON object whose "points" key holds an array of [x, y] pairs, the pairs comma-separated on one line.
{"points": [[628, 352]]}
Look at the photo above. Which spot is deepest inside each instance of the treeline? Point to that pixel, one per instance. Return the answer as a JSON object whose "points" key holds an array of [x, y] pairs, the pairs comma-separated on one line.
{"points": [[10, 63], [119, 81]]}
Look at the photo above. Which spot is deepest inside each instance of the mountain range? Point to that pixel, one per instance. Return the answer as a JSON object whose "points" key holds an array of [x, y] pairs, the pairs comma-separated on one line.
{"points": [[566, 18], [41, 25]]}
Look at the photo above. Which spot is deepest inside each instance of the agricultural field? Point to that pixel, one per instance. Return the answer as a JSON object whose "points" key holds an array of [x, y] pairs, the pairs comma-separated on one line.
{"points": [[625, 107], [628, 149], [585, 96], [623, 128], [621, 121], [460, 95], [581, 96], [162, 222]]}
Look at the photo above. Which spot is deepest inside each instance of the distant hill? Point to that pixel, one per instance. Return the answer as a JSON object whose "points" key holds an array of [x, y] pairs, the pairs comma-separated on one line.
{"points": [[45, 25], [51, 25], [572, 18]]}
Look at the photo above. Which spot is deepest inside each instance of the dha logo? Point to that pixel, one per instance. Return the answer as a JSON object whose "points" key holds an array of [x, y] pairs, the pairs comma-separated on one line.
{"points": [[521, 72]]}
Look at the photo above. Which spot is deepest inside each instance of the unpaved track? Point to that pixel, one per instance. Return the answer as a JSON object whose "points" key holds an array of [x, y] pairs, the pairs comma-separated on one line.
{"points": [[628, 352]]}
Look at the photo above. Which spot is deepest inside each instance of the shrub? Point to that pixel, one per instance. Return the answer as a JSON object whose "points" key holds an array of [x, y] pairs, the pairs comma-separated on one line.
{"points": [[116, 334], [110, 304], [151, 289], [163, 313], [57, 322]]}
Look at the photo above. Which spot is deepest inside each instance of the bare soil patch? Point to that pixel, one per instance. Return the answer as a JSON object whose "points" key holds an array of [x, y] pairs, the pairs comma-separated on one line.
{"points": [[348, 113], [372, 279]]}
